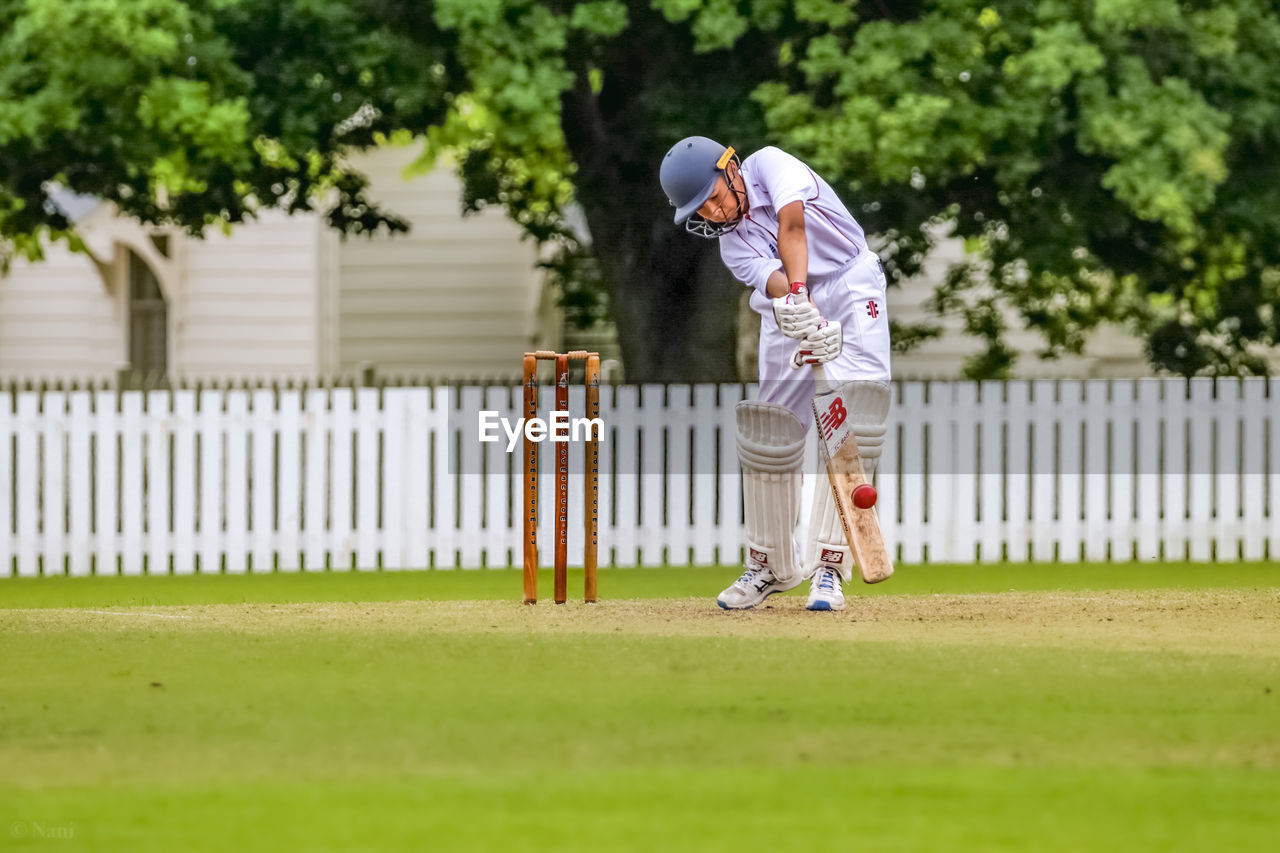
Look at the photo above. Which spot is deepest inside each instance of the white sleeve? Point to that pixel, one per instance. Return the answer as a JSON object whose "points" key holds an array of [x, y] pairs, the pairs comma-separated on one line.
{"points": [[747, 267], [784, 178]]}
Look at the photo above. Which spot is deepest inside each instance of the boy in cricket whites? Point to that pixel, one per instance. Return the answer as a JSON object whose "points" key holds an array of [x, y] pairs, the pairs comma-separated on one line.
{"points": [[779, 224]]}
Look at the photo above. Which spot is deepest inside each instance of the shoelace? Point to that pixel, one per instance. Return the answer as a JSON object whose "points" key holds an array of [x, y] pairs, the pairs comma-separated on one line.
{"points": [[827, 580], [749, 576]]}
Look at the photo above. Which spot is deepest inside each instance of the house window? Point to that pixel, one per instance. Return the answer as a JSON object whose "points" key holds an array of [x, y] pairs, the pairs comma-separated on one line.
{"points": [[148, 322]]}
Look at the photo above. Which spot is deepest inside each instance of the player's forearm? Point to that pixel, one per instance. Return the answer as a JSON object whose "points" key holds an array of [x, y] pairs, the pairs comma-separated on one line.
{"points": [[779, 283], [793, 246], [793, 250]]}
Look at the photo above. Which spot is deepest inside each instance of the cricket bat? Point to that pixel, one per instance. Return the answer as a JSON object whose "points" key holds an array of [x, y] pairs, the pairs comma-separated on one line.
{"points": [[839, 451]]}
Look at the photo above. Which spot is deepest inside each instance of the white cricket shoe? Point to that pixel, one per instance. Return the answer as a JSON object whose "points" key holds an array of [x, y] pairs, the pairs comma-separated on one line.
{"points": [[756, 584], [826, 590]]}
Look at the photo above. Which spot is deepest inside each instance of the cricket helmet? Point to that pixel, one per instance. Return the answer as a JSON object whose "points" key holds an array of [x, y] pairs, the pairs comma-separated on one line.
{"points": [[688, 176]]}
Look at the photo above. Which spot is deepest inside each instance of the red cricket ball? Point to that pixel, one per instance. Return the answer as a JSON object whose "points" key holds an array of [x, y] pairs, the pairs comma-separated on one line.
{"points": [[864, 497]]}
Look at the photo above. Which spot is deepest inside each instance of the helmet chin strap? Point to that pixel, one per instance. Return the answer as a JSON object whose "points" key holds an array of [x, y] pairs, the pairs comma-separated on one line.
{"points": [[709, 229]]}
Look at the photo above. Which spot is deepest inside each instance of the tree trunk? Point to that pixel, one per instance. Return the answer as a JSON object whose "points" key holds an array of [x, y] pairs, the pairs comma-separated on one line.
{"points": [[674, 303]]}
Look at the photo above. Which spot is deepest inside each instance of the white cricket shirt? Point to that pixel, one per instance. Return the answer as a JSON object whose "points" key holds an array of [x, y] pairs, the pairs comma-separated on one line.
{"points": [[774, 179], [845, 280]]}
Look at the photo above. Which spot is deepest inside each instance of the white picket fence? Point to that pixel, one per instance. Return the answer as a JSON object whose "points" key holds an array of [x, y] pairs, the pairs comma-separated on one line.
{"points": [[95, 482]]}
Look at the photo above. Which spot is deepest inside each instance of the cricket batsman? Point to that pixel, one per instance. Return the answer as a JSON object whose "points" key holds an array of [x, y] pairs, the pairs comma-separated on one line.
{"points": [[779, 223]]}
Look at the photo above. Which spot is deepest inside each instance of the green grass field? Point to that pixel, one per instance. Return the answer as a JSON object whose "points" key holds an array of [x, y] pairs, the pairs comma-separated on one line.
{"points": [[1008, 708]]}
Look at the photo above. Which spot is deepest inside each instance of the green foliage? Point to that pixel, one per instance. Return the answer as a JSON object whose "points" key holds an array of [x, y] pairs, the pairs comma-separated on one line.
{"points": [[205, 111], [569, 106], [504, 126], [605, 18], [1105, 160], [907, 336], [578, 280], [1109, 161]]}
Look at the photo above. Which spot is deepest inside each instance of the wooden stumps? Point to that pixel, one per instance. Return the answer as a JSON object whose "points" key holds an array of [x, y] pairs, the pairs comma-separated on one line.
{"points": [[530, 484], [591, 478], [591, 482], [562, 487]]}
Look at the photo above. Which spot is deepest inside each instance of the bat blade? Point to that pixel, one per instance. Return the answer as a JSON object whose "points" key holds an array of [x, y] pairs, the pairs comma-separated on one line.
{"points": [[844, 470]]}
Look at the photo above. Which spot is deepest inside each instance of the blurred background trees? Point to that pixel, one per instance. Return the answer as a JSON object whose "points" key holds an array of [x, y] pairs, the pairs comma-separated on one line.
{"points": [[1104, 161], [200, 112]]}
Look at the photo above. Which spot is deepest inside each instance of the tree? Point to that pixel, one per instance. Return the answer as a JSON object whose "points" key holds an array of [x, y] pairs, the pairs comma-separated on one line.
{"points": [[202, 112], [577, 102], [1105, 161]]}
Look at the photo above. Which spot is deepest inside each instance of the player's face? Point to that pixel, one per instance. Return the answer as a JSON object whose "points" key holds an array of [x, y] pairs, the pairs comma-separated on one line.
{"points": [[724, 205]]}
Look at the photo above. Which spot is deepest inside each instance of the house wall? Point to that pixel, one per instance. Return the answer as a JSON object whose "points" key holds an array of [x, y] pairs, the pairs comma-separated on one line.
{"points": [[1110, 353], [249, 305], [59, 320], [240, 306], [287, 297], [455, 298]]}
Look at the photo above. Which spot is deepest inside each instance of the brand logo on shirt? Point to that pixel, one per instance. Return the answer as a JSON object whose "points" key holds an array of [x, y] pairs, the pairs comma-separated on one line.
{"points": [[872, 309], [774, 249]]}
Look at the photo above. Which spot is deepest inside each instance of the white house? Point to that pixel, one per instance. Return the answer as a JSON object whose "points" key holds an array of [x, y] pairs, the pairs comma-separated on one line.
{"points": [[283, 297]]}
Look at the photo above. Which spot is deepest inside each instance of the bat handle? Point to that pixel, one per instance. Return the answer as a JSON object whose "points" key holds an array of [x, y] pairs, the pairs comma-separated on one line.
{"points": [[820, 379], [800, 294]]}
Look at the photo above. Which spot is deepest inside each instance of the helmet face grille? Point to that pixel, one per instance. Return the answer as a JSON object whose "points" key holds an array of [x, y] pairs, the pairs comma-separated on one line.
{"points": [[706, 228]]}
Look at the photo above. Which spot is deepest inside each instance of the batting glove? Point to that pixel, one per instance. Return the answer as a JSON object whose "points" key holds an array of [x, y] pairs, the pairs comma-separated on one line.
{"points": [[822, 345], [795, 320]]}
